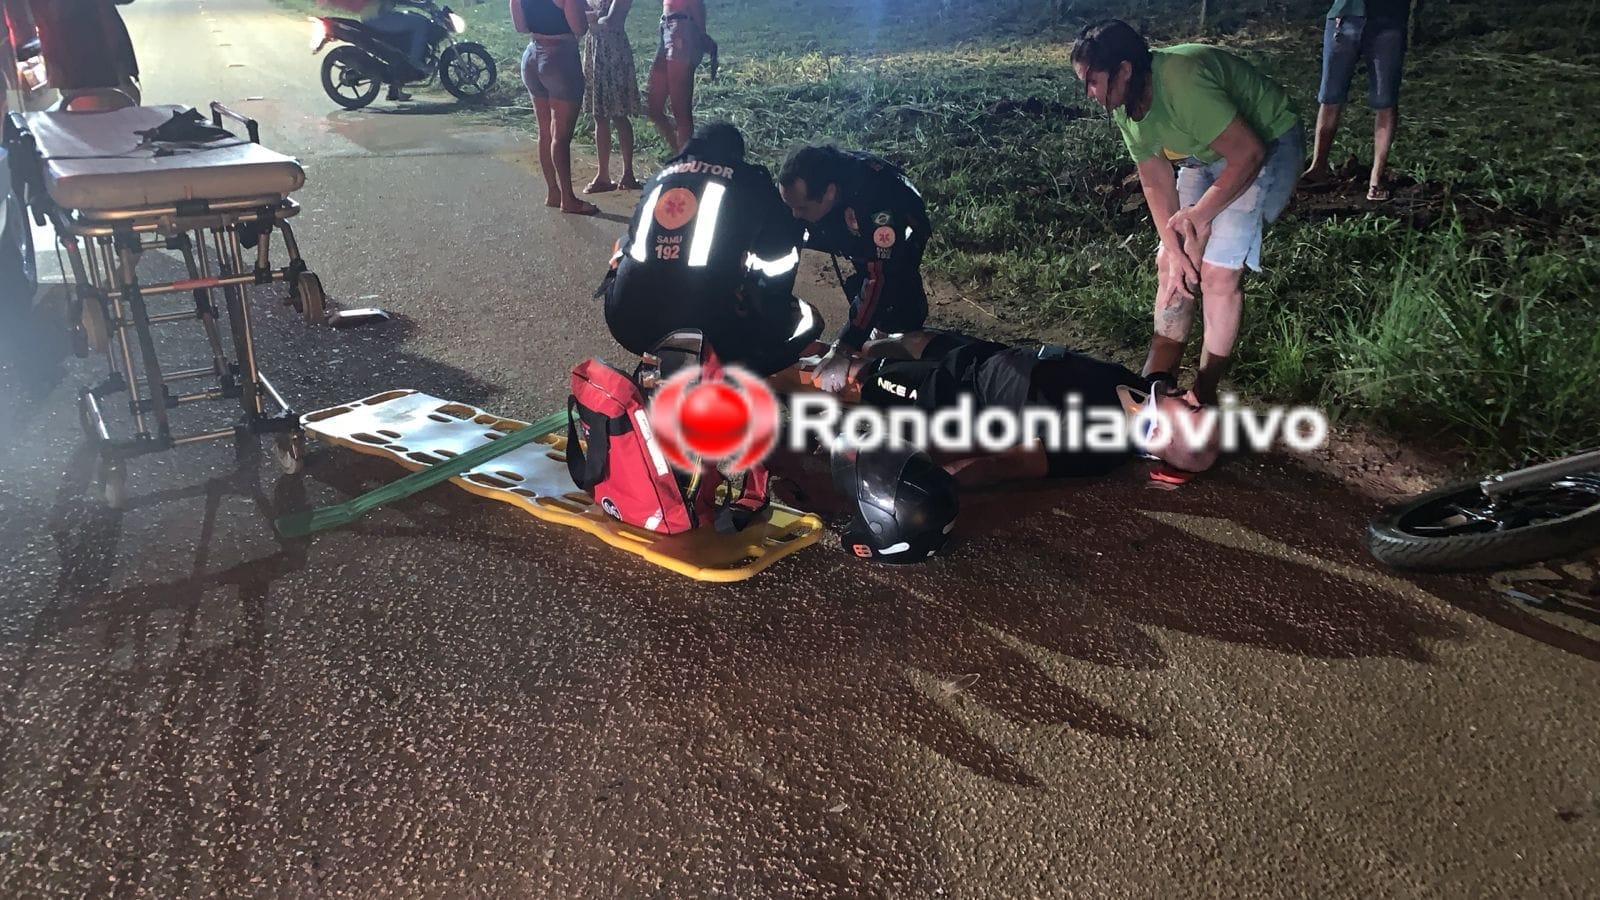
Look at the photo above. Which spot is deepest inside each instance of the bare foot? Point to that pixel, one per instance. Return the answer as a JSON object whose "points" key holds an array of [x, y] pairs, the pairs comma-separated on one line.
{"points": [[1317, 174], [629, 183], [580, 208], [599, 186]]}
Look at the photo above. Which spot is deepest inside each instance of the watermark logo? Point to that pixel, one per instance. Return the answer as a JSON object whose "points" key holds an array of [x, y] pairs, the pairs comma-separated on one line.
{"points": [[731, 421]]}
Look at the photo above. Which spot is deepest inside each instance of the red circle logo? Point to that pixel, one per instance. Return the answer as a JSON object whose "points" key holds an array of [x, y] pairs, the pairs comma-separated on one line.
{"points": [[732, 419], [715, 418]]}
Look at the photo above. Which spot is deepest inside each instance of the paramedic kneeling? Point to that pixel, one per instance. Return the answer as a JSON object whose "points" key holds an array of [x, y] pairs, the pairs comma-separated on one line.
{"points": [[711, 247], [862, 207]]}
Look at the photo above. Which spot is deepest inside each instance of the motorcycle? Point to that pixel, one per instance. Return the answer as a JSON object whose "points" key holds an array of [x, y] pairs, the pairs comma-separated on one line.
{"points": [[1508, 519], [354, 72]]}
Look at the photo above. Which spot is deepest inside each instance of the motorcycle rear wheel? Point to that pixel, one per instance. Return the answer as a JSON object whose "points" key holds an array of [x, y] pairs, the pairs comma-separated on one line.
{"points": [[467, 71], [350, 77], [1457, 528]]}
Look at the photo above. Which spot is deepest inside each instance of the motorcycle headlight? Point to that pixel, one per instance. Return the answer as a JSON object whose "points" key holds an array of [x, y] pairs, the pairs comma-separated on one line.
{"points": [[457, 24]]}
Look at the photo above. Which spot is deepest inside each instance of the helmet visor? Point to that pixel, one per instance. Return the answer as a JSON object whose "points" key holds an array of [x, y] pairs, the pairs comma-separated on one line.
{"points": [[870, 477]]}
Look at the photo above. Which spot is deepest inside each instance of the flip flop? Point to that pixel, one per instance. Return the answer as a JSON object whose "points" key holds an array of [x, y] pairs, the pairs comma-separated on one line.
{"points": [[1378, 194], [629, 184], [587, 209], [599, 187]]}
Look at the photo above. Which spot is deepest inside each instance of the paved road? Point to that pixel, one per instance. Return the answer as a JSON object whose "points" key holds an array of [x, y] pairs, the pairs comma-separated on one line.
{"points": [[1105, 689]]}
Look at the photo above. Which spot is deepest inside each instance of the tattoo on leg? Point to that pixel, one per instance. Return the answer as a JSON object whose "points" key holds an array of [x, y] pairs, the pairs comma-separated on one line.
{"points": [[1174, 318]]}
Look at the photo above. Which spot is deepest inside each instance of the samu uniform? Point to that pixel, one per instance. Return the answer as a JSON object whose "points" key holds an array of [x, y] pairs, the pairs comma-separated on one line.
{"points": [[710, 247], [881, 225]]}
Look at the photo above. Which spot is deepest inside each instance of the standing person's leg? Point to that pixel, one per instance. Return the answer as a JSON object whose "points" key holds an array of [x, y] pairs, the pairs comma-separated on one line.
{"points": [[561, 71], [1384, 65], [656, 100], [542, 117], [1236, 238], [594, 101], [602, 150], [624, 128], [1341, 49], [680, 90]]}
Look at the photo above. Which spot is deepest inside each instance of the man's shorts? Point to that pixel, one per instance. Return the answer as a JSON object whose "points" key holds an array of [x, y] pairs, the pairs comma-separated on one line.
{"points": [[1236, 231], [680, 39], [1381, 42], [552, 69]]}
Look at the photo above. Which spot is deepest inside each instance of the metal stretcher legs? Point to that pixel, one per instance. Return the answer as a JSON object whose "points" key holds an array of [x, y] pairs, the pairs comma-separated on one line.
{"points": [[110, 298], [128, 251], [203, 307]]}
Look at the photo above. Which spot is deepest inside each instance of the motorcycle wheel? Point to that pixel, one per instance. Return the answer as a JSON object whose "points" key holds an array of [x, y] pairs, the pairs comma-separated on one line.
{"points": [[1458, 528], [349, 77], [467, 71]]}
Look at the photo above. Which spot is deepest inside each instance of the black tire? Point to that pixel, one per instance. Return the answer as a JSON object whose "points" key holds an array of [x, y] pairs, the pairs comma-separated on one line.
{"points": [[467, 71], [1454, 528], [359, 69]]}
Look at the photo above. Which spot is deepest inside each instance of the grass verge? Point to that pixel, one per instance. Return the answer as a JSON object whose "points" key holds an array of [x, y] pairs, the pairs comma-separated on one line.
{"points": [[1462, 313]]}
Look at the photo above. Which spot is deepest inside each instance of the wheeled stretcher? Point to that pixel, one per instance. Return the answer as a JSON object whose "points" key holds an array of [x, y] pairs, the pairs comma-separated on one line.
{"points": [[116, 184]]}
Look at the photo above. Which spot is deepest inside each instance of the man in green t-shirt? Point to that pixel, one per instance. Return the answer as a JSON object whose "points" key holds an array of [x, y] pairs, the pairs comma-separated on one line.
{"points": [[1240, 148]]}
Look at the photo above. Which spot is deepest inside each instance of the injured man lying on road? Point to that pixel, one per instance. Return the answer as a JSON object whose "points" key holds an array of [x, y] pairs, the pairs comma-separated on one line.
{"points": [[934, 370]]}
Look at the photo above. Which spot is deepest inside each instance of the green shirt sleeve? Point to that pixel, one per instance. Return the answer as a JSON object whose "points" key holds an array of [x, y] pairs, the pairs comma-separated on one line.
{"points": [[1140, 147]]}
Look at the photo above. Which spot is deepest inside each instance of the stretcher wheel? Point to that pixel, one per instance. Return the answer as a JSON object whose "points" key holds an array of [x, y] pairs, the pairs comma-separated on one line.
{"points": [[313, 302], [290, 452], [114, 484]]}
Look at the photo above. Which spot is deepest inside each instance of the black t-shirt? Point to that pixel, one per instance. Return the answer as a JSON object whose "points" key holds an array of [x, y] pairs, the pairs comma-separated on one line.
{"points": [[544, 17], [995, 375]]}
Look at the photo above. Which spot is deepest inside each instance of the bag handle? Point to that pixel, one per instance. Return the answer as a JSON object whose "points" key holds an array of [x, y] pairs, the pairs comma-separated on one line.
{"points": [[587, 468]]}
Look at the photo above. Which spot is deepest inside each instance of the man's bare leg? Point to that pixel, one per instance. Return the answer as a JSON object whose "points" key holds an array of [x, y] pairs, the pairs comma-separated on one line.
{"points": [[656, 104], [1383, 126], [1322, 145], [1174, 316], [1223, 293]]}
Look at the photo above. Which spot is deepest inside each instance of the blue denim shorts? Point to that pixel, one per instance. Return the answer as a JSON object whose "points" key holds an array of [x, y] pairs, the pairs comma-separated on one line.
{"points": [[552, 68], [1381, 42], [1236, 232]]}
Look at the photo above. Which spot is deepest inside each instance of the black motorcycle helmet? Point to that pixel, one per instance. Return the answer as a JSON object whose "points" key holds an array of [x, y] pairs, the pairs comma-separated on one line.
{"points": [[903, 505]]}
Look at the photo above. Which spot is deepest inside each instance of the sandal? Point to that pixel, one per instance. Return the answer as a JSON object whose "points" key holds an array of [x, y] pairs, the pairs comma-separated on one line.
{"points": [[582, 209], [1379, 193], [629, 184], [599, 187]]}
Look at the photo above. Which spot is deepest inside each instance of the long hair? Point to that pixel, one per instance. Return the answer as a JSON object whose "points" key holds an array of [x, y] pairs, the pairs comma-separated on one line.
{"points": [[1105, 45]]}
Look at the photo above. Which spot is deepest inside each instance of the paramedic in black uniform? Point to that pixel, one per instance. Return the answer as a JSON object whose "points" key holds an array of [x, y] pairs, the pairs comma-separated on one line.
{"points": [[865, 209], [712, 247]]}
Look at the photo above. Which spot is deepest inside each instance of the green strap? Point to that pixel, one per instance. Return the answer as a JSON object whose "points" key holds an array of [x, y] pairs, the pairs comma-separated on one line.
{"points": [[300, 524]]}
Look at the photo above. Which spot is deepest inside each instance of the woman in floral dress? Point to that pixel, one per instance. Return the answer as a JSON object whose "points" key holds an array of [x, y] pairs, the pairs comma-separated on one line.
{"points": [[612, 90]]}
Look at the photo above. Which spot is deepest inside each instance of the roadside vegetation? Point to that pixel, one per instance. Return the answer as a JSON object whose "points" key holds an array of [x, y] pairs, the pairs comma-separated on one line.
{"points": [[1461, 314]]}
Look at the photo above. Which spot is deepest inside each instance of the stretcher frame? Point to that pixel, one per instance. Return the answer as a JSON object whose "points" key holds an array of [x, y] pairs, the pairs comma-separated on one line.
{"points": [[106, 301]]}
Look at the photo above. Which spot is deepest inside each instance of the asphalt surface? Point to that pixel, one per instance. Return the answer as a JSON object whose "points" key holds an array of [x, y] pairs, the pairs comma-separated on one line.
{"points": [[1103, 690]]}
